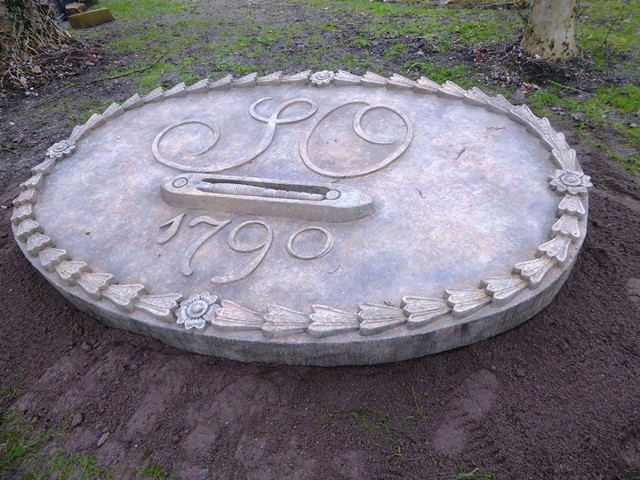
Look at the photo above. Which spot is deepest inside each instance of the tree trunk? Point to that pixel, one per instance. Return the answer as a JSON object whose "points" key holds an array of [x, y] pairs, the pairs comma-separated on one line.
{"points": [[551, 29]]}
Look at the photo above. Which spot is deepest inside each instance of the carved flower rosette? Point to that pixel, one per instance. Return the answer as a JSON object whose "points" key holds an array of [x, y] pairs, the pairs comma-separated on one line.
{"points": [[61, 149], [575, 183], [321, 79], [197, 311], [216, 220]]}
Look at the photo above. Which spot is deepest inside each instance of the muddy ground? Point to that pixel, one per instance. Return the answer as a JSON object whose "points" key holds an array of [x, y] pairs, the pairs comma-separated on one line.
{"points": [[558, 397]]}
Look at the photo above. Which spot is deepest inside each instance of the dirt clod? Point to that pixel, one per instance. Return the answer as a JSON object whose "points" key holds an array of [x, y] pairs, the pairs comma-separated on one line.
{"points": [[77, 419]]}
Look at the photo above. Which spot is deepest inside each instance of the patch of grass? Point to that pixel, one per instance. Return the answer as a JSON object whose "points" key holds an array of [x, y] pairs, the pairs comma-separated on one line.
{"points": [[241, 70], [396, 50], [11, 391], [155, 471], [419, 412], [24, 454], [128, 10], [371, 419], [631, 475], [65, 466], [438, 73], [607, 27], [603, 119], [18, 442]]}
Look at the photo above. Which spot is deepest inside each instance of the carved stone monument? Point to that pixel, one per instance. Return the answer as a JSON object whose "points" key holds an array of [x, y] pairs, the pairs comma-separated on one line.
{"points": [[319, 219]]}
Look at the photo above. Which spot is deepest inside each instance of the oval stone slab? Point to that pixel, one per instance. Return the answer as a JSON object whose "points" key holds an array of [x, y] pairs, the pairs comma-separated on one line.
{"points": [[320, 219]]}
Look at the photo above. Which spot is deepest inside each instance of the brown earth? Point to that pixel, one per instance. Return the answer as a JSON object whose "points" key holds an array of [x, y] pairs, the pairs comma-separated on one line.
{"points": [[558, 397]]}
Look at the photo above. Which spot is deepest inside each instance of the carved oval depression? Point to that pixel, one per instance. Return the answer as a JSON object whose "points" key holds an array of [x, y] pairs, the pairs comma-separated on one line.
{"points": [[317, 219]]}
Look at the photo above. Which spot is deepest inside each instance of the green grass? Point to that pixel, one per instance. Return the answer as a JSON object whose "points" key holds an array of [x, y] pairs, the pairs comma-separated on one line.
{"points": [[438, 73], [605, 119], [601, 35], [631, 475], [25, 453], [126, 9], [155, 471]]}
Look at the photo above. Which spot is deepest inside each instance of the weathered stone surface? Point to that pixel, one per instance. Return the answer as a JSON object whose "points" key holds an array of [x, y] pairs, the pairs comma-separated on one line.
{"points": [[321, 218]]}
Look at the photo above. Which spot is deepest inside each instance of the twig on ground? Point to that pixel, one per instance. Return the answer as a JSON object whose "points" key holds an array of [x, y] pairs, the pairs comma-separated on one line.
{"points": [[613, 24], [568, 88], [7, 148], [103, 79]]}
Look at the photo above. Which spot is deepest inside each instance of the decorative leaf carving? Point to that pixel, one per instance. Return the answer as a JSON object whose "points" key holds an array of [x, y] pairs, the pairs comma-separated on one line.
{"points": [[371, 79], [346, 78], [327, 321], [400, 83], [199, 87], [222, 84], [234, 318], [499, 104], [77, 131], [540, 127], [178, 90], [132, 102], [94, 283], [425, 85], [274, 78], [26, 228], [45, 167], [465, 302], [523, 115], [565, 158], [70, 270], [451, 90], [534, 271], [301, 78], [29, 195], [22, 212], [557, 248], [571, 205], [37, 242], [161, 306], [281, 321], [51, 257], [552, 139], [94, 121], [423, 311], [567, 225], [124, 296], [153, 96], [379, 318], [36, 181], [475, 96], [246, 81], [113, 111], [503, 289]]}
